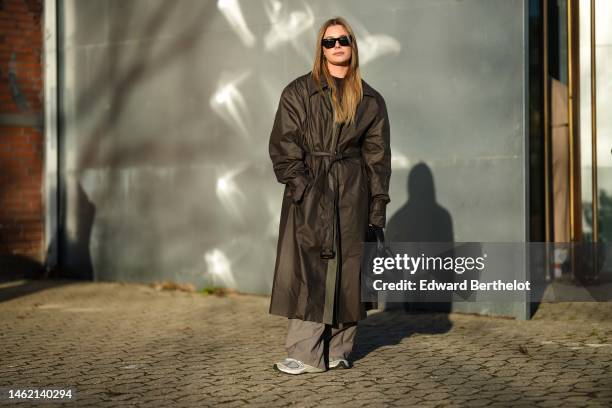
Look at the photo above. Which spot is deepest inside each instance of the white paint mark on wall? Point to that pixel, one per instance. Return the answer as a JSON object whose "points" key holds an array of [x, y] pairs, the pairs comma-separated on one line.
{"points": [[229, 103], [233, 14], [372, 46], [228, 191], [219, 268], [399, 161], [288, 27]]}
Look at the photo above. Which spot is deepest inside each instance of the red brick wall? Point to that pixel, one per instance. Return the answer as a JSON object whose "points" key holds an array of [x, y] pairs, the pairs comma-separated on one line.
{"points": [[21, 133]]}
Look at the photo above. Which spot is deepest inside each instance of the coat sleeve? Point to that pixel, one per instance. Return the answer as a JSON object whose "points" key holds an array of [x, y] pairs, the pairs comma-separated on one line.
{"points": [[376, 151], [285, 145]]}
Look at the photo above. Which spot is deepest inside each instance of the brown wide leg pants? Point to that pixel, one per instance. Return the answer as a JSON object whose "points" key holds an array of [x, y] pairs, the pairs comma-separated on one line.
{"points": [[316, 344]]}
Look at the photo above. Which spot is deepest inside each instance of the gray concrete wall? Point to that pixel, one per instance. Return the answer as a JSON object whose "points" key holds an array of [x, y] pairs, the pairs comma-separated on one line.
{"points": [[167, 108]]}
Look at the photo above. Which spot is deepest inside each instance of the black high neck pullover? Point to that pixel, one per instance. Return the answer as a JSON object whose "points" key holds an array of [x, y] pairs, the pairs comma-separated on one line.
{"points": [[339, 85]]}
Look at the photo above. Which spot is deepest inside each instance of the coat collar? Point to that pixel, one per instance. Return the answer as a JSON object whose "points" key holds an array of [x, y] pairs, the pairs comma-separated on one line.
{"points": [[313, 89]]}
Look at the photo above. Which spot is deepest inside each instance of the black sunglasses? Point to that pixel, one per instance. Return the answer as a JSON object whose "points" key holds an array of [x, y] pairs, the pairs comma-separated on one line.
{"points": [[344, 41]]}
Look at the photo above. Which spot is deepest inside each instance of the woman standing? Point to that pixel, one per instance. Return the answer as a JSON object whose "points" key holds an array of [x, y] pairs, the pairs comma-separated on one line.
{"points": [[330, 146]]}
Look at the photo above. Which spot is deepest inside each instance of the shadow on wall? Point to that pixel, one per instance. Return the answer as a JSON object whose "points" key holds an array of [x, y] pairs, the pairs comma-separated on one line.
{"points": [[421, 219], [74, 250], [110, 90], [126, 79]]}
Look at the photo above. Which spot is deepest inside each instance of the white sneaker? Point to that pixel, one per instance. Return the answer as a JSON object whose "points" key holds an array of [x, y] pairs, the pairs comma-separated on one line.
{"points": [[339, 363], [293, 366]]}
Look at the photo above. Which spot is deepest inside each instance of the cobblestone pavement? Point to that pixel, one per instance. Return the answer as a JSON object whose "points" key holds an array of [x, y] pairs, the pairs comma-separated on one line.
{"points": [[128, 344]]}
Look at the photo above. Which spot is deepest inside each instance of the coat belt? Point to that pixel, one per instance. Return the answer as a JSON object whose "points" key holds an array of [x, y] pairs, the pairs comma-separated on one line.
{"points": [[330, 212]]}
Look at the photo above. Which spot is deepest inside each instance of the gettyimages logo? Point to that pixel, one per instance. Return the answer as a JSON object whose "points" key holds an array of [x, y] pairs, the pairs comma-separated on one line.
{"points": [[405, 262]]}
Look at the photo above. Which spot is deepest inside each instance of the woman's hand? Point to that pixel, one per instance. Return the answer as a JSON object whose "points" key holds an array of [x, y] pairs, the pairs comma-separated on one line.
{"points": [[377, 232]]}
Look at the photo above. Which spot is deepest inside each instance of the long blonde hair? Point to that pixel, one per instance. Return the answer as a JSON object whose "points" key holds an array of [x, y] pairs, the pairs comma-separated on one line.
{"points": [[344, 111]]}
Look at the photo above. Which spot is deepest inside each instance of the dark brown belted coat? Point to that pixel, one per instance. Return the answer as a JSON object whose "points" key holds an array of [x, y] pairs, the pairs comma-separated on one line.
{"points": [[337, 182]]}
